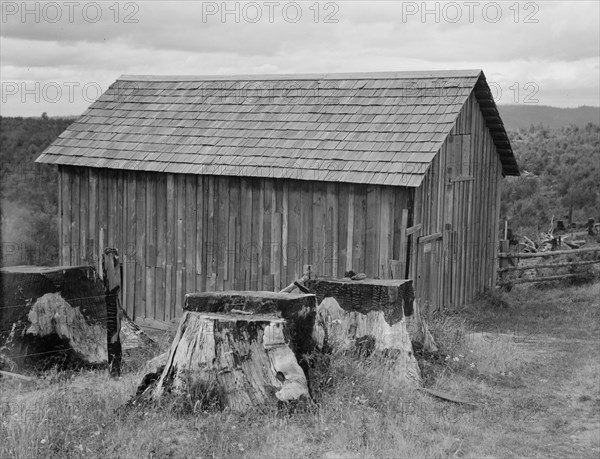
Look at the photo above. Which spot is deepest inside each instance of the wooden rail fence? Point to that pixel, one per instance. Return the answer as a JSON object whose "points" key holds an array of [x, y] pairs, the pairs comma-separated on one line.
{"points": [[505, 256]]}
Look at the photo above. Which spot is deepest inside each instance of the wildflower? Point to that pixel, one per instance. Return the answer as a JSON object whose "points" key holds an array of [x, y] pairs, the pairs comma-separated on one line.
{"points": [[380, 391], [456, 359]]}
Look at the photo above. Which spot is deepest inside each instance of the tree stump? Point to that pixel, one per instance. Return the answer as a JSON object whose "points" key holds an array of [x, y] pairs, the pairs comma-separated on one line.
{"points": [[232, 361], [52, 316], [298, 310], [367, 316]]}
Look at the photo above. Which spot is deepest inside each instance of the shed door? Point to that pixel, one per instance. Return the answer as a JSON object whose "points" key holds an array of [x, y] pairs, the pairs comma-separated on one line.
{"points": [[429, 271]]}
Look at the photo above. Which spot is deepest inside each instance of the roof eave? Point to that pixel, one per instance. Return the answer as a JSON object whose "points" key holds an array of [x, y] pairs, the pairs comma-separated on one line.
{"points": [[495, 125]]}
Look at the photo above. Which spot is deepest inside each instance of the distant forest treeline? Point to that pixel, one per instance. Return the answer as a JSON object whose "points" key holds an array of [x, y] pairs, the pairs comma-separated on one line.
{"points": [[522, 116], [560, 177], [560, 171], [28, 191]]}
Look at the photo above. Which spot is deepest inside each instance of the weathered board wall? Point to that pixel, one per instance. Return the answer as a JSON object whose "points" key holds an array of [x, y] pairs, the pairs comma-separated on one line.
{"points": [[182, 233], [458, 206]]}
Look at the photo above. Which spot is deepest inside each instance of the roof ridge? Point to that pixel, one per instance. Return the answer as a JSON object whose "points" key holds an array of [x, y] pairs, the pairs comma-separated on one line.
{"points": [[399, 75]]}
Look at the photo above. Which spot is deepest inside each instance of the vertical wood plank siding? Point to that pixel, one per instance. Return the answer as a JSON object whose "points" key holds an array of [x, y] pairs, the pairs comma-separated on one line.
{"points": [[459, 197], [183, 233]]}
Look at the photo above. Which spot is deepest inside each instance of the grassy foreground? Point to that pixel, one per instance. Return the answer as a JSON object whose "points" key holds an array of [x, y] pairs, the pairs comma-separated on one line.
{"points": [[528, 358]]}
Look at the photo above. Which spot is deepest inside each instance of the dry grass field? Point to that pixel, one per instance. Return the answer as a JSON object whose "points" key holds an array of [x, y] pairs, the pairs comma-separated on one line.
{"points": [[528, 359]]}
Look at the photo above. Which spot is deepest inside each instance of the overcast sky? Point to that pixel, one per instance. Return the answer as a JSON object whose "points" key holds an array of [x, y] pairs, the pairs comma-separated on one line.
{"points": [[58, 56]]}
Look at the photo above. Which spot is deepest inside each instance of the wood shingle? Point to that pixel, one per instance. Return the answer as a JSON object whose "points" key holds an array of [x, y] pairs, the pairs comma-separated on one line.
{"points": [[361, 127]]}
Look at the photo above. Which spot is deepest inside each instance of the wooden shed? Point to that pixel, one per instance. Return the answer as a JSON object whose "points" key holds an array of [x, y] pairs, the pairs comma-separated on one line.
{"points": [[218, 183]]}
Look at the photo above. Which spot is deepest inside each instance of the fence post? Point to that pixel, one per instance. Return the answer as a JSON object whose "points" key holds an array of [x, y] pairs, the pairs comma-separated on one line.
{"points": [[503, 262], [112, 276]]}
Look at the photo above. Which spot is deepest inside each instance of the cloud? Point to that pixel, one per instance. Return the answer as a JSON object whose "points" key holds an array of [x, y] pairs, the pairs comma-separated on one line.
{"points": [[559, 52]]}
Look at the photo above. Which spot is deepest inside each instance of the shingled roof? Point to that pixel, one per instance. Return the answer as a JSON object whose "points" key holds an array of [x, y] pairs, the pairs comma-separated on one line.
{"points": [[373, 128]]}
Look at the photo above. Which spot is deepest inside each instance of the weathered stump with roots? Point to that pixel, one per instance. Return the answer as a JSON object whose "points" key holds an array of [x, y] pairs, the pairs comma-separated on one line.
{"points": [[52, 316], [232, 361], [63, 317], [368, 316]]}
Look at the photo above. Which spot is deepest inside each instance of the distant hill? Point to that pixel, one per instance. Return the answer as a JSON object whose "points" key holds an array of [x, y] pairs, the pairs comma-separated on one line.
{"points": [[560, 177], [517, 117], [522, 116]]}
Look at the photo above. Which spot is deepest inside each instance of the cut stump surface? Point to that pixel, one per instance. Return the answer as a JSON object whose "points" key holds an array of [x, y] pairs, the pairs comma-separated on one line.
{"points": [[299, 311]]}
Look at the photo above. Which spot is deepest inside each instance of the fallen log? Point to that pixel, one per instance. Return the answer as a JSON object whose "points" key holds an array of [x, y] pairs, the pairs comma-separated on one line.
{"points": [[549, 265], [548, 254], [16, 376], [290, 288], [157, 326], [448, 397], [232, 361], [539, 279]]}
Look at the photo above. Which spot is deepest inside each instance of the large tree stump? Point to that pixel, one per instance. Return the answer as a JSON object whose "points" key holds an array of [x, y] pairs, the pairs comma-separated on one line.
{"points": [[367, 316], [298, 310], [234, 361], [52, 316]]}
